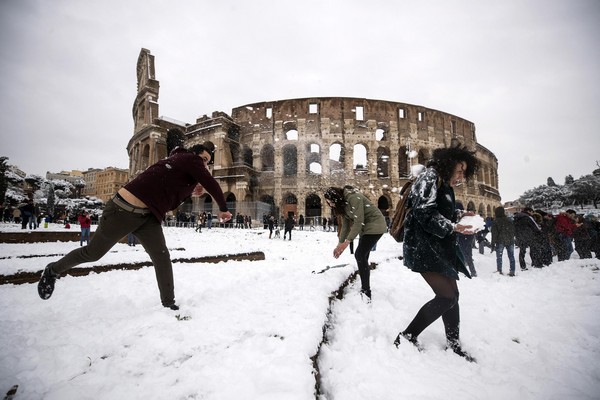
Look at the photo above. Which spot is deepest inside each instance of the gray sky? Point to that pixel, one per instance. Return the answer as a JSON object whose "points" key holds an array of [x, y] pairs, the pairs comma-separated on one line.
{"points": [[525, 72]]}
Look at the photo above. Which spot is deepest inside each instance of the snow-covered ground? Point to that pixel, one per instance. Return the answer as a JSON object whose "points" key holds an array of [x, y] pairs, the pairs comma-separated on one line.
{"points": [[250, 329]]}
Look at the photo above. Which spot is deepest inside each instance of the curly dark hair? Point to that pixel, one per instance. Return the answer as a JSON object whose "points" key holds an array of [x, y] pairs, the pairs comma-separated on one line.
{"points": [[444, 161], [336, 196]]}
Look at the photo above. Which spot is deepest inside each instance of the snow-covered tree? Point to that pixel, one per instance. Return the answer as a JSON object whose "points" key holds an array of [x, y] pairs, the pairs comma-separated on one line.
{"points": [[35, 181], [569, 180], [586, 190], [551, 182]]}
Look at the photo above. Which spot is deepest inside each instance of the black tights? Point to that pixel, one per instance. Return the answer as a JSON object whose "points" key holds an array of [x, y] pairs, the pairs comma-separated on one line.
{"points": [[365, 245], [444, 304]]}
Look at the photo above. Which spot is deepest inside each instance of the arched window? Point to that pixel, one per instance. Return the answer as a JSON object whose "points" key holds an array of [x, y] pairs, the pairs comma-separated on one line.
{"points": [[290, 160]]}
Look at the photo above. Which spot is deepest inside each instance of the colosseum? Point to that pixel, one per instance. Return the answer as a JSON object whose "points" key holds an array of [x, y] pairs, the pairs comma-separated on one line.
{"points": [[279, 156]]}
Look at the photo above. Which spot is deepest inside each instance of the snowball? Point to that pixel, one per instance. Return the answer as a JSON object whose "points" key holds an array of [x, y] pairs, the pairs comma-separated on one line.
{"points": [[475, 221]]}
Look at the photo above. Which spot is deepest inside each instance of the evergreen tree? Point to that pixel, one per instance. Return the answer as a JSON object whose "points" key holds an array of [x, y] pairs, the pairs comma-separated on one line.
{"points": [[3, 179], [51, 200]]}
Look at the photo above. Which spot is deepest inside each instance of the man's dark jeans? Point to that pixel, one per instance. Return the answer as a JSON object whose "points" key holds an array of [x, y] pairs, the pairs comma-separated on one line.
{"points": [[115, 224]]}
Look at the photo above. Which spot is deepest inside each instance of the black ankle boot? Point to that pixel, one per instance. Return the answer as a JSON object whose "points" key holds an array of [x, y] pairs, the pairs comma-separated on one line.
{"points": [[459, 351], [409, 338]]}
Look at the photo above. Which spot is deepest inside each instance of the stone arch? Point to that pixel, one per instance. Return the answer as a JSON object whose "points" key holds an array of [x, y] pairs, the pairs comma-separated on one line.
{"points": [[383, 162], [403, 164], [247, 156], [290, 160], [267, 158], [313, 158], [336, 158], [207, 203], [382, 132], [231, 203], [422, 157], [361, 158], [312, 209], [471, 206], [212, 153], [290, 130], [145, 156], [290, 204]]}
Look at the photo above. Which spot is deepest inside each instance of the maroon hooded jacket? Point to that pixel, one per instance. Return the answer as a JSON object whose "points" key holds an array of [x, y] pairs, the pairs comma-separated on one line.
{"points": [[164, 185]]}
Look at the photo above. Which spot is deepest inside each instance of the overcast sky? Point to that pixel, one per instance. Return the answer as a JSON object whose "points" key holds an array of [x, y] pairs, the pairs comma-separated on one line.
{"points": [[525, 72]]}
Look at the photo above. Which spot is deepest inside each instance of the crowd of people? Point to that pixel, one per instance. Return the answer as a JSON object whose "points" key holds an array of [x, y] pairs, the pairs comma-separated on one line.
{"points": [[545, 236]]}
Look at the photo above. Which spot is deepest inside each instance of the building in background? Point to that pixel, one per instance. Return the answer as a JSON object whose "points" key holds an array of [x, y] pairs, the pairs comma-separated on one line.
{"points": [[109, 181], [89, 177], [279, 156]]}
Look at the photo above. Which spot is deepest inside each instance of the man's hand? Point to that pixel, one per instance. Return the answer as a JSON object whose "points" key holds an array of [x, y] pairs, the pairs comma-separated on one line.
{"points": [[224, 216]]}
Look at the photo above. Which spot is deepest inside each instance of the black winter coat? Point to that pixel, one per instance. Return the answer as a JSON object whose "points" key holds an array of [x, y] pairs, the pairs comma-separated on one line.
{"points": [[429, 239], [503, 232], [526, 229]]}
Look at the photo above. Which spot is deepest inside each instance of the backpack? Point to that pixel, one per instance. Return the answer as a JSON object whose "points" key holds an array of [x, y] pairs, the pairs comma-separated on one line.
{"points": [[400, 213]]}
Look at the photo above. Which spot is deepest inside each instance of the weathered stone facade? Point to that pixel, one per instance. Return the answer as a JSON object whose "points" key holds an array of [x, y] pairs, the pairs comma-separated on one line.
{"points": [[287, 152]]}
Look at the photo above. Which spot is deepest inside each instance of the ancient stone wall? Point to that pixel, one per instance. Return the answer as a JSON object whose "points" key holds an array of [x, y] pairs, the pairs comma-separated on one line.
{"points": [[285, 153]]}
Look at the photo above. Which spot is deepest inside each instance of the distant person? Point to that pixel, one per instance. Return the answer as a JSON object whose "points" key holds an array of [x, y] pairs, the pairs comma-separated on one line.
{"points": [[130, 239], [582, 236], [301, 222], [140, 207], [526, 232], [465, 244], [85, 223], [503, 237], [430, 247], [270, 225], [565, 226], [288, 226], [26, 213], [358, 217]]}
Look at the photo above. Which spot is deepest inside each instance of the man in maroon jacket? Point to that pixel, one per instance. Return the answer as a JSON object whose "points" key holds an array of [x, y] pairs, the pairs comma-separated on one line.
{"points": [[140, 207]]}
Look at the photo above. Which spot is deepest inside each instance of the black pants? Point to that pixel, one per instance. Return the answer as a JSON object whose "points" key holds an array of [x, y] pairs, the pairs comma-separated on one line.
{"points": [[115, 224], [522, 252], [363, 250]]}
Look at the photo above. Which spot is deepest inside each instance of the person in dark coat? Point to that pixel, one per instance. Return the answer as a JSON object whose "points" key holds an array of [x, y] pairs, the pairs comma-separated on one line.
{"points": [[430, 247], [526, 231], [465, 244], [582, 236], [288, 226], [503, 237], [548, 238], [140, 207]]}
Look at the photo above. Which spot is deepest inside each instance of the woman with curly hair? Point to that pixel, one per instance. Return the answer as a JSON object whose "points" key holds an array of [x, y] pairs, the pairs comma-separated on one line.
{"points": [[430, 247], [358, 217]]}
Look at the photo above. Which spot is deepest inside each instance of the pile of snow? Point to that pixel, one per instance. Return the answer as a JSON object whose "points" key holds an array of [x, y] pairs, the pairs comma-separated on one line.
{"points": [[248, 329]]}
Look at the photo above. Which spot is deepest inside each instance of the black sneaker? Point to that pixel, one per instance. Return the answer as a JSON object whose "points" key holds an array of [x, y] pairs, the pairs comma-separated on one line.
{"points": [[46, 283], [173, 307]]}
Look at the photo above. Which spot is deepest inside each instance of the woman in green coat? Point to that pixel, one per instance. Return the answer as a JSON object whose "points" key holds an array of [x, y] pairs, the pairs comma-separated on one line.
{"points": [[359, 217]]}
